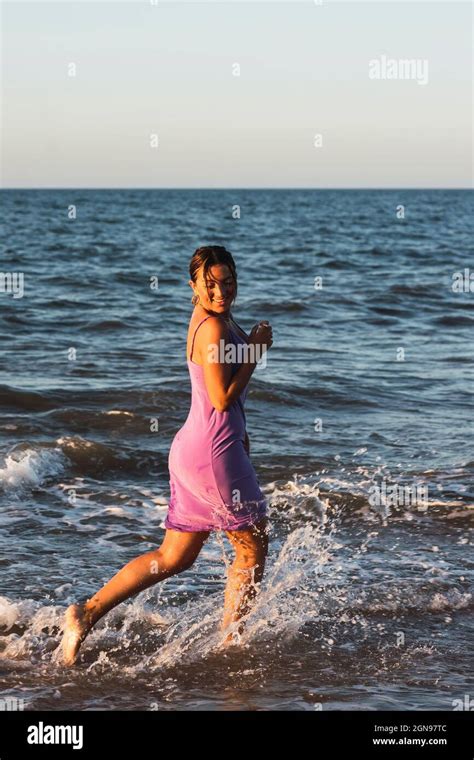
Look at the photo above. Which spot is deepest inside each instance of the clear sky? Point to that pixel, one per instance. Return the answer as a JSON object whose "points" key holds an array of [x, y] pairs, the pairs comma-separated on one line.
{"points": [[168, 69]]}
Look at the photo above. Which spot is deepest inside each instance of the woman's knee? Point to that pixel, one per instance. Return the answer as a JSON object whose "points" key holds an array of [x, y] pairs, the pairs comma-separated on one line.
{"points": [[251, 547], [172, 562], [250, 556]]}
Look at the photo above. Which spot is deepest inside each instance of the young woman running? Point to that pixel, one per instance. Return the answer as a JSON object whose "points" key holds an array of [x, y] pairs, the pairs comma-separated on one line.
{"points": [[212, 481]]}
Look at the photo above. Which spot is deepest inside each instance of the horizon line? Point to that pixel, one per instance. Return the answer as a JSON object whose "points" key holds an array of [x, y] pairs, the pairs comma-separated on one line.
{"points": [[129, 187]]}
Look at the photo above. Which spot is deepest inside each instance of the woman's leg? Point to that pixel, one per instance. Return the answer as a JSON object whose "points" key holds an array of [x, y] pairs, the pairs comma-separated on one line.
{"points": [[177, 553], [245, 574]]}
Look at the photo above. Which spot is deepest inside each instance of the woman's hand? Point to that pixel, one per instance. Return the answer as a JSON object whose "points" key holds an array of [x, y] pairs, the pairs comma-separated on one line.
{"points": [[262, 334], [247, 443]]}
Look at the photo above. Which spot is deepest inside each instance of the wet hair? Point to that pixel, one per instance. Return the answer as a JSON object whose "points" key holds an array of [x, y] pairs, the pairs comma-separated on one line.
{"points": [[206, 257]]}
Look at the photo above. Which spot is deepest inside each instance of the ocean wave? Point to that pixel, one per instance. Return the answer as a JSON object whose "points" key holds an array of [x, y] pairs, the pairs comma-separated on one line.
{"points": [[280, 306], [106, 325], [92, 457], [417, 291], [316, 585], [307, 587], [408, 599], [391, 311], [14, 398], [31, 467], [34, 465], [454, 321], [329, 495], [58, 400], [285, 394]]}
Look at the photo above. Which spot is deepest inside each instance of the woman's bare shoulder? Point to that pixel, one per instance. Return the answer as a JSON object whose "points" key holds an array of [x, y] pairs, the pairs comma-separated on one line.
{"points": [[212, 328]]}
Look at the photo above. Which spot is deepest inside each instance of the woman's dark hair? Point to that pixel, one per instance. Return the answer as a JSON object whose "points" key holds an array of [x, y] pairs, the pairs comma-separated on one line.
{"points": [[206, 257]]}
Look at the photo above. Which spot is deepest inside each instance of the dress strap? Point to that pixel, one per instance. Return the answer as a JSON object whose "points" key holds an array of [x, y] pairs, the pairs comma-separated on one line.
{"points": [[195, 331]]}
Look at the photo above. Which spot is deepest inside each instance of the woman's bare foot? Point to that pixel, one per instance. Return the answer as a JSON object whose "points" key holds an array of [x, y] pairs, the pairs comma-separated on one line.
{"points": [[76, 627]]}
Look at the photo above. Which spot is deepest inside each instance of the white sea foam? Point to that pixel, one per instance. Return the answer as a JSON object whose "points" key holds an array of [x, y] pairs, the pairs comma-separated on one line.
{"points": [[31, 467]]}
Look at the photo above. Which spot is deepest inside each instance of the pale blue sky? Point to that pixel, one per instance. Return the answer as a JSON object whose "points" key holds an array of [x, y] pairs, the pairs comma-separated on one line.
{"points": [[167, 70]]}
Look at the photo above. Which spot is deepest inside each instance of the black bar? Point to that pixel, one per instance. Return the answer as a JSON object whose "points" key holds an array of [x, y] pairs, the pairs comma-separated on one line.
{"points": [[292, 733]]}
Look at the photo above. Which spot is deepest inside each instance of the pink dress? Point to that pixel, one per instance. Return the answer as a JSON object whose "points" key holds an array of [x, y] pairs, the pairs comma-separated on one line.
{"points": [[213, 484]]}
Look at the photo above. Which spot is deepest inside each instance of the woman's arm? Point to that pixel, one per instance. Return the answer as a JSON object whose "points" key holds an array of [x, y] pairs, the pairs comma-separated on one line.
{"points": [[222, 387]]}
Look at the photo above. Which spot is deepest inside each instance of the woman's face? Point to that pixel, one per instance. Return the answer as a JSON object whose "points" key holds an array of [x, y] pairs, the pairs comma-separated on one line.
{"points": [[220, 290]]}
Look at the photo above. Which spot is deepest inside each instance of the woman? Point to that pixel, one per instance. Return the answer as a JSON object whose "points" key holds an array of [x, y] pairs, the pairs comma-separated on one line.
{"points": [[213, 484]]}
